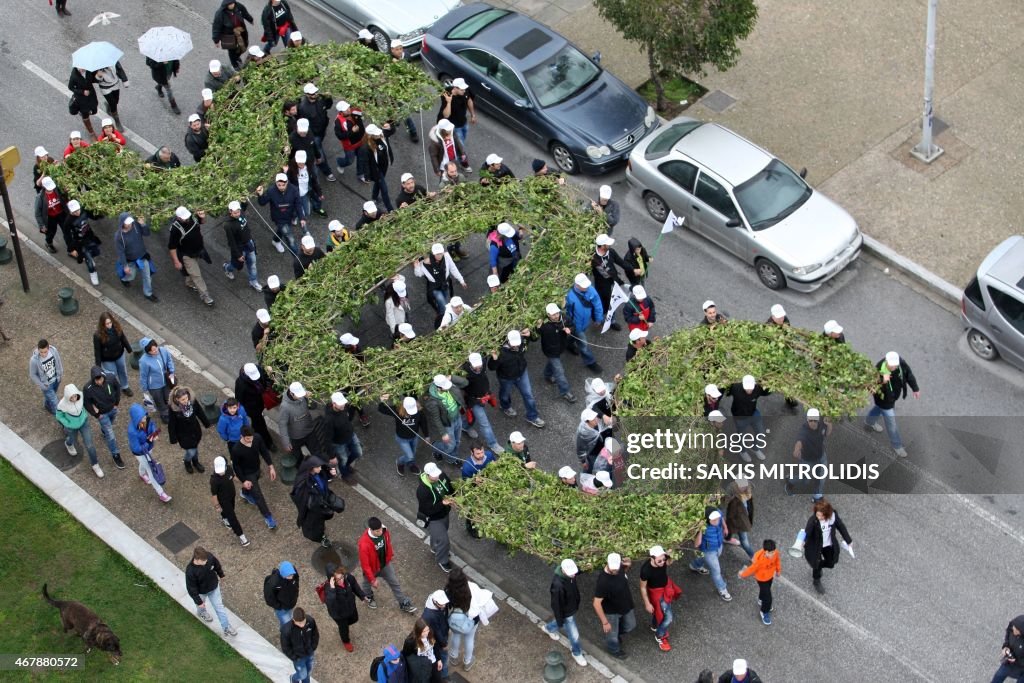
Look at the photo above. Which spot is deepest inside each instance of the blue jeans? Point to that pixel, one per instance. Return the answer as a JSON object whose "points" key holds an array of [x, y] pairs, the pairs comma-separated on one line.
{"points": [[483, 425], [348, 453], [318, 145], [380, 189], [555, 369], [819, 490], [439, 298], [451, 449], [1007, 671], [461, 132], [666, 619], [408, 447], [191, 455], [753, 424], [147, 276], [358, 156], [889, 415], [283, 616], [711, 561], [249, 253], [584, 348], [310, 200], [744, 537], [284, 234], [272, 39], [621, 625], [107, 429], [118, 368], [303, 669], [459, 640], [522, 383], [213, 597], [50, 397], [70, 435], [572, 632], [89, 253], [410, 125]]}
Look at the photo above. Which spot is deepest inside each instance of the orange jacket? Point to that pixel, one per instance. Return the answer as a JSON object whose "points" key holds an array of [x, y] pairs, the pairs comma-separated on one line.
{"points": [[763, 567]]}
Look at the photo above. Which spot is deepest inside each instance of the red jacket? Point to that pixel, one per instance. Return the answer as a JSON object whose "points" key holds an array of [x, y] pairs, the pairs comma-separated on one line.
{"points": [[368, 558]]}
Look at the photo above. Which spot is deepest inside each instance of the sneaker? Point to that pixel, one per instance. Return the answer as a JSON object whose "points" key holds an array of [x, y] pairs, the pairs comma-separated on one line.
{"points": [[818, 587], [401, 470], [50, 248], [569, 397], [246, 498], [188, 467], [699, 570], [468, 170], [118, 462], [496, 449], [279, 246], [199, 466], [207, 299], [511, 412], [348, 646], [760, 454], [725, 596], [228, 272], [271, 524], [98, 470], [663, 644], [759, 604], [320, 212], [537, 422], [364, 180], [371, 603], [468, 665], [877, 426], [766, 619], [164, 498], [732, 541], [205, 616], [341, 171], [331, 179], [230, 631], [126, 283], [414, 468], [446, 567], [225, 522], [471, 432], [144, 478], [616, 327], [128, 392], [159, 91], [745, 456], [553, 635], [901, 452], [192, 286], [580, 659], [71, 448], [325, 542], [257, 286], [595, 367], [244, 541], [407, 607], [153, 298], [94, 278]]}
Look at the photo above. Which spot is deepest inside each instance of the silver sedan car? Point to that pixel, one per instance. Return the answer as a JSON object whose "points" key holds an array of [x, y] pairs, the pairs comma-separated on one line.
{"points": [[745, 200], [406, 20]]}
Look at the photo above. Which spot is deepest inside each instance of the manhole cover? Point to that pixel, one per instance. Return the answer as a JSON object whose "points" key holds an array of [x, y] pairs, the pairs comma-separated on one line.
{"points": [[718, 101], [178, 537], [338, 553], [58, 456]]}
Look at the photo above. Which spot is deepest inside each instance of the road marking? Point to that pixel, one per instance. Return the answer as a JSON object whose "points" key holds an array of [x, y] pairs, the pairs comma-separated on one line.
{"points": [[142, 142]]}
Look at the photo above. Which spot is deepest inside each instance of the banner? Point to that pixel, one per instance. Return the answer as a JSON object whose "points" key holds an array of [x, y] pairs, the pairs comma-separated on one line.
{"points": [[618, 298]]}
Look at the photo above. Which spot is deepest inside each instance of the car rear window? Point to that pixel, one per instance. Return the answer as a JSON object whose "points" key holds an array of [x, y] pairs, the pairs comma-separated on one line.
{"points": [[476, 23], [973, 293], [1010, 307], [667, 139], [527, 43]]}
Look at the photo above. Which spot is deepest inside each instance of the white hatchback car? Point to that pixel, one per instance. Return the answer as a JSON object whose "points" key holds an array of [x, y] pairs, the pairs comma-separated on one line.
{"points": [[744, 199]]}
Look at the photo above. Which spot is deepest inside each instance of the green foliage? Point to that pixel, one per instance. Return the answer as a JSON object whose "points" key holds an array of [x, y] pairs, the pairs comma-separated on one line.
{"points": [[247, 132]]}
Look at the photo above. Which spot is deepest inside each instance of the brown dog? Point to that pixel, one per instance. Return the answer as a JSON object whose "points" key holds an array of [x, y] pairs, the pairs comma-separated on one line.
{"points": [[86, 623]]}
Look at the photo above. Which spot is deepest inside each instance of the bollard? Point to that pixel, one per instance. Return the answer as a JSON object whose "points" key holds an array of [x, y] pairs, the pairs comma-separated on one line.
{"points": [[208, 404], [554, 667], [5, 253], [68, 302], [133, 360]]}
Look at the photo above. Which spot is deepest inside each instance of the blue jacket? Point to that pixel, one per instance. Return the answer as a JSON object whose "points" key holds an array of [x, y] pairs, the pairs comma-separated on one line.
{"points": [[138, 439], [583, 308], [131, 247], [230, 426], [392, 673], [471, 469], [152, 368], [284, 206]]}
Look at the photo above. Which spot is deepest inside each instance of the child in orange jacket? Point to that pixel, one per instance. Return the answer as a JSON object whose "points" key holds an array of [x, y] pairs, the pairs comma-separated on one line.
{"points": [[765, 566]]}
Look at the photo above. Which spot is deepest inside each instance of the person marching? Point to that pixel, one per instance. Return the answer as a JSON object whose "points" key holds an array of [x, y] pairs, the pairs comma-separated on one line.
{"points": [[765, 566], [822, 542]]}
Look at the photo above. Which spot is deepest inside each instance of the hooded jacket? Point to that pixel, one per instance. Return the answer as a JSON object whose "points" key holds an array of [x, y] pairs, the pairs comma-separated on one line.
{"points": [[392, 673], [598, 402], [477, 383], [70, 413], [138, 438], [429, 495], [317, 112], [230, 426], [183, 423], [1016, 643], [369, 557], [294, 420], [238, 234], [896, 388], [510, 363], [37, 371], [196, 142], [438, 419], [81, 236], [131, 246], [162, 71], [634, 262], [752, 677], [250, 392], [230, 22], [279, 592], [588, 441], [583, 308], [100, 399], [201, 579], [78, 84], [565, 596], [437, 620], [215, 83], [110, 350], [274, 17], [152, 368]]}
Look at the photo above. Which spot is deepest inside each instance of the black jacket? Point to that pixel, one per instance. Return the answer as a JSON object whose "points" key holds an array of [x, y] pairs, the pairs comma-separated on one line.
{"points": [[752, 677], [814, 540], [299, 641], [256, 333], [565, 596], [429, 497], [250, 393], [196, 143], [279, 592], [100, 399], [222, 487], [1016, 643], [338, 423], [185, 431], [77, 84], [186, 237], [744, 404], [239, 235], [510, 364], [553, 339], [314, 188], [303, 260], [306, 143], [317, 112], [405, 427], [418, 669], [273, 17], [437, 620], [201, 579], [157, 162], [110, 350], [478, 385], [246, 459], [381, 158], [341, 600], [896, 388], [162, 71], [605, 269], [79, 235], [225, 20]]}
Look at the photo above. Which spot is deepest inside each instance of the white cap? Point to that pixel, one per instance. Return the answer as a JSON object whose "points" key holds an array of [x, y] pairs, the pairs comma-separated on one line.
{"points": [[604, 240], [712, 391], [837, 328], [338, 398], [106, 122], [49, 184], [656, 551], [234, 206], [256, 51], [637, 333], [493, 280], [310, 88], [308, 242], [739, 667], [342, 105], [349, 339], [569, 568], [587, 415], [399, 288], [41, 151], [300, 156], [551, 309], [599, 386], [220, 465], [517, 437], [514, 338], [813, 413], [374, 129], [73, 206], [302, 125], [605, 192], [297, 390], [335, 226], [715, 514], [194, 117], [581, 281], [476, 360], [445, 124], [439, 597], [296, 36], [506, 229], [370, 206], [605, 478], [432, 470], [409, 403], [273, 282], [778, 311], [566, 472], [395, 42], [456, 301], [442, 382], [493, 159], [614, 561], [207, 94], [639, 292], [251, 371], [364, 34], [214, 65], [405, 329], [716, 416], [436, 248], [460, 83], [281, 177], [128, 220], [263, 315], [76, 134], [706, 305], [406, 176], [891, 359], [183, 213], [749, 382]]}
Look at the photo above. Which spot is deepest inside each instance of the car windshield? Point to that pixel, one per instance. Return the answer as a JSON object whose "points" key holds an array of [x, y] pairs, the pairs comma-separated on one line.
{"points": [[771, 195], [563, 75]]}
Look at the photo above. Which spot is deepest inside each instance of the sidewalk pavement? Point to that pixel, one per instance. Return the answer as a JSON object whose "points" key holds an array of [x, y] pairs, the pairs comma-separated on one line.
{"points": [[512, 647], [838, 87]]}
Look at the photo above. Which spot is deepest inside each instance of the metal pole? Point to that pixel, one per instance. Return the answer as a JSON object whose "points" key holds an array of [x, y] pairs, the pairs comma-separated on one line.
{"points": [[13, 229], [927, 151]]}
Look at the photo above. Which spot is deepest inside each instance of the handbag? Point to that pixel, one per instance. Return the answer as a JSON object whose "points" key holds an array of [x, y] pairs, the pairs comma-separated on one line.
{"points": [[271, 398], [170, 381], [321, 591], [158, 470]]}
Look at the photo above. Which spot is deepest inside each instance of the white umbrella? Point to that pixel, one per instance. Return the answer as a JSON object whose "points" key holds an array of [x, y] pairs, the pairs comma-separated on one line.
{"points": [[95, 56], [165, 43]]}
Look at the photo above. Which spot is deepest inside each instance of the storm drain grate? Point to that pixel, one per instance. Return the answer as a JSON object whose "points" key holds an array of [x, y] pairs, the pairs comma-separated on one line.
{"points": [[718, 101], [178, 537]]}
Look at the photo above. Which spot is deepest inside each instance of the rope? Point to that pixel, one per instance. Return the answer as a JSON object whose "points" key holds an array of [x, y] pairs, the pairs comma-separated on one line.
{"points": [[273, 231], [599, 346], [430, 445]]}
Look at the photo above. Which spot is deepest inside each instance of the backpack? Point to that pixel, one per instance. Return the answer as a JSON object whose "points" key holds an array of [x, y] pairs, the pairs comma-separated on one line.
{"points": [[269, 588], [375, 666]]}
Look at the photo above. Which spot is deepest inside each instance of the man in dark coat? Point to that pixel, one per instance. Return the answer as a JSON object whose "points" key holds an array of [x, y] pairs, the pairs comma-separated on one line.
{"points": [[607, 207], [314, 500], [309, 253], [411, 191], [554, 339], [278, 23], [185, 245], [315, 107], [240, 244], [299, 639], [101, 397], [246, 454], [1012, 664], [197, 138], [202, 581], [229, 30], [740, 673], [281, 591], [435, 614], [222, 490], [84, 101], [509, 364], [565, 603], [895, 376], [433, 499], [604, 266], [163, 159], [249, 387], [285, 206]]}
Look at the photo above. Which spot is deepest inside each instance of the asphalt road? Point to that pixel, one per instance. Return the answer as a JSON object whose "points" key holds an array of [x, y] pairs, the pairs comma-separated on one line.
{"points": [[935, 577]]}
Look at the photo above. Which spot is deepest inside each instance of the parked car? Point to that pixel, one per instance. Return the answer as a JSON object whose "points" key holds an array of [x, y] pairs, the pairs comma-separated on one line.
{"points": [[406, 20], [992, 306], [538, 83], [742, 198]]}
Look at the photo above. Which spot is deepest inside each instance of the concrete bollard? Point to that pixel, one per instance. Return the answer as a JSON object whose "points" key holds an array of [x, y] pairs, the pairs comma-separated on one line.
{"points": [[5, 254], [68, 302], [554, 667], [208, 404]]}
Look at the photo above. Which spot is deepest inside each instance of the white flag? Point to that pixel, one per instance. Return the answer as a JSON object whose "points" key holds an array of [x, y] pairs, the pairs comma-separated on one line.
{"points": [[618, 298], [671, 223]]}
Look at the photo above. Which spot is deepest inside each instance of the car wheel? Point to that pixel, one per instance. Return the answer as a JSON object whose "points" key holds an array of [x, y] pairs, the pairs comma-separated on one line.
{"points": [[656, 206], [981, 345], [381, 39], [564, 159], [770, 274]]}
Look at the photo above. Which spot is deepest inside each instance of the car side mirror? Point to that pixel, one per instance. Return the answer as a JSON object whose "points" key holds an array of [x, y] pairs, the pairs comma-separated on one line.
{"points": [[803, 172], [523, 104], [596, 58], [733, 223]]}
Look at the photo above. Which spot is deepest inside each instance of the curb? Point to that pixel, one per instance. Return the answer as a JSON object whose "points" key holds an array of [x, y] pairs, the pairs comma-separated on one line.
{"points": [[914, 270]]}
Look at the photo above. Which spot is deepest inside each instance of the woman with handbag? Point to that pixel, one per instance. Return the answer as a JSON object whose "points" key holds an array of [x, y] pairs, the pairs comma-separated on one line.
{"points": [[142, 433], [340, 593], [461, 621], [255, 391], [229, 32], [314, 500], [185, 426], [156, 375], [84, 101], [278, 23]]}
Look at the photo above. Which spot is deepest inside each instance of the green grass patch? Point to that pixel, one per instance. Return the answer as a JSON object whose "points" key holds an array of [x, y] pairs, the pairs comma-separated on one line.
{"points": [[677, 89], [42, 543]]}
